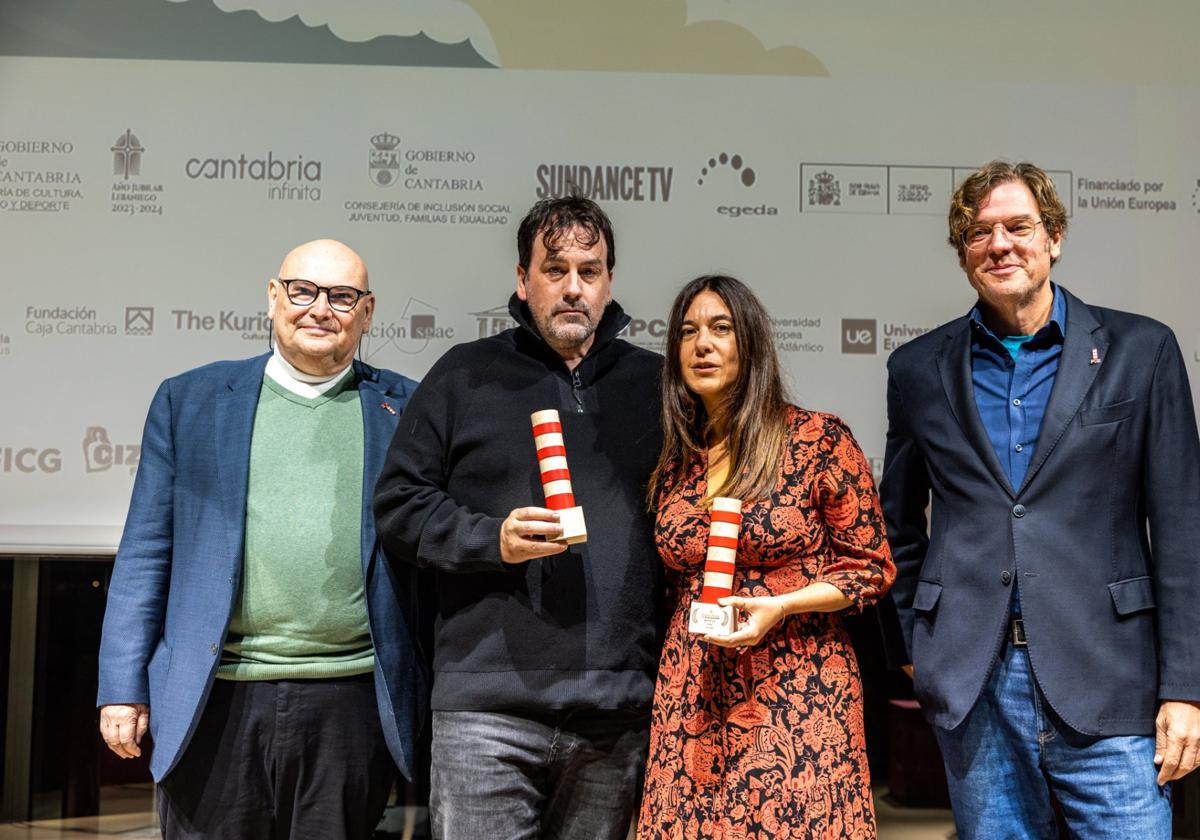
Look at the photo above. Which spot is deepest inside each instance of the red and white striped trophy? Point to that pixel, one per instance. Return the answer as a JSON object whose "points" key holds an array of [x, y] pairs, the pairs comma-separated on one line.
{"points": [[706, 615], [556, 478]]}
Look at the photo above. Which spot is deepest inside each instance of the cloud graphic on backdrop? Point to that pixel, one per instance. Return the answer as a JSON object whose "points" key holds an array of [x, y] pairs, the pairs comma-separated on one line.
{"points": [[648, 36], [444, 21]]}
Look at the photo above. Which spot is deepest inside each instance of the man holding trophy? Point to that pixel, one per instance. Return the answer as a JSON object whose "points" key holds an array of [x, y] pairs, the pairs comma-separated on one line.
{"points": [[545, 638]]}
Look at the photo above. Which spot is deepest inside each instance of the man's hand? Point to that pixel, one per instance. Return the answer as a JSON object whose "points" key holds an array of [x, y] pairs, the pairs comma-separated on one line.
{"points": [[122, 728], [527, 533], [762, 614], [1176, 739]]}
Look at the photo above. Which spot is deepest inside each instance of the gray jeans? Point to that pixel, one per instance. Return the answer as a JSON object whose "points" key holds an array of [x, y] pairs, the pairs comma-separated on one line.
{"points": [[572, 775]]}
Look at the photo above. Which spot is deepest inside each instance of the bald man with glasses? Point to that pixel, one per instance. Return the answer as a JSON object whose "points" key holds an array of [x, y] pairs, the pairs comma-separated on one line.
{"points": [[254, 626]]}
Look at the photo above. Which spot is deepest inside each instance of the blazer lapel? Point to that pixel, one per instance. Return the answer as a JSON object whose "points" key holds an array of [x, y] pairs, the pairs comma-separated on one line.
{"points": [[234, 426], [954, 365], [1076, 373], [380, 418]]}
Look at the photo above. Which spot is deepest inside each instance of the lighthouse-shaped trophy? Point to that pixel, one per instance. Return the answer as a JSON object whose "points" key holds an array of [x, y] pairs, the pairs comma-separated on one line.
{"points": [[556, 478], [706, 615]]}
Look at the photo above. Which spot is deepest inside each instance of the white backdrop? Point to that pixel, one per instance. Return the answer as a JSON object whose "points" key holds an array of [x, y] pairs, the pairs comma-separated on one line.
{"points": [[124, 261]]}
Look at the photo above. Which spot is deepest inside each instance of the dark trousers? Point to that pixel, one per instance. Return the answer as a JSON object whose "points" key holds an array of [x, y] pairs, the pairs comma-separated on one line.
{"points": [[559, 776], [289, 759]]}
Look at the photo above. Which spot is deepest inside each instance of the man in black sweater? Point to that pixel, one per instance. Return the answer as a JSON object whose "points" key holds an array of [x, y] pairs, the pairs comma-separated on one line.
{"points": [[544, 654]]}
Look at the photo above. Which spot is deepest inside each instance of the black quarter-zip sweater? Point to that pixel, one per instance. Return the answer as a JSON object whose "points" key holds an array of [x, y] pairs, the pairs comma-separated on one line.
{"points": [[573, 631]]}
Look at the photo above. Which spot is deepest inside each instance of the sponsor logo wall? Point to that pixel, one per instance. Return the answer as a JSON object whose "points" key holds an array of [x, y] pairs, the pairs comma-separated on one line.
{"points": [[840, 228]]}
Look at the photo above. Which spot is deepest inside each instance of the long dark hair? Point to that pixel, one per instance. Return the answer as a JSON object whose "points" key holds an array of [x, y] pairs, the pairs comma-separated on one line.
{"points": [[753, 410]]}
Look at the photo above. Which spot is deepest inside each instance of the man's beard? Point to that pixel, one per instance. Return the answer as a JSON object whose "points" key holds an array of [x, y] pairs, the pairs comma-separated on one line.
{"points": [[572, 333]]}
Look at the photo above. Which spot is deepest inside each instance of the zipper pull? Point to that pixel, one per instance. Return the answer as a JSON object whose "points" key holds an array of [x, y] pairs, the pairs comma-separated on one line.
{"points": [[576, 386]]}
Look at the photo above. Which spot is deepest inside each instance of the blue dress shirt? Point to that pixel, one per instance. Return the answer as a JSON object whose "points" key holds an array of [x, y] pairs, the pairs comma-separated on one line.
{"points": [[1013, 377], [1012, 387]]}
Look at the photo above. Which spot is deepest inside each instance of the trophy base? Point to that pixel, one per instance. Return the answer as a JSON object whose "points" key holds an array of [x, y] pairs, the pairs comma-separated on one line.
{"points": [[574, 529], [711, 618]]}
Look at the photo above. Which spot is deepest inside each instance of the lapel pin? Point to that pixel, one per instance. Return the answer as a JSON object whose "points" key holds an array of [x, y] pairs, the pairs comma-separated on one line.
{"points": [[1095, 360], [388, 407]]}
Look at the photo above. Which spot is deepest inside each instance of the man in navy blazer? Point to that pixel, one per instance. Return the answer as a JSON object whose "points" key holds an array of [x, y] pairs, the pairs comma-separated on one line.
{"points": [[1049, 605], [253, 623]]}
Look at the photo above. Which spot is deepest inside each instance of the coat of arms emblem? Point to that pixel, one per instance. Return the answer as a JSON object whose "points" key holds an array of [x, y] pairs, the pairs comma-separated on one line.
{"points": [[384, 159]]}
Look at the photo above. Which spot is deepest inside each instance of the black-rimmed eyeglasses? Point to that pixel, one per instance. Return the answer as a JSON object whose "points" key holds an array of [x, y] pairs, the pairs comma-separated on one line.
{"points": [[305, 293]]}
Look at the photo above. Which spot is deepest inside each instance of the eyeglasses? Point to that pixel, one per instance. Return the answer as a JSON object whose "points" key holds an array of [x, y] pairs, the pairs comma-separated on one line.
{"points": [[305, 293], [1019, 230]]}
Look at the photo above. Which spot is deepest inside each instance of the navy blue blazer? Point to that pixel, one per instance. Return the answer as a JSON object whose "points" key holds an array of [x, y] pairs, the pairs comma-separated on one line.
{"points": [[1102, 535], [179, 565]]}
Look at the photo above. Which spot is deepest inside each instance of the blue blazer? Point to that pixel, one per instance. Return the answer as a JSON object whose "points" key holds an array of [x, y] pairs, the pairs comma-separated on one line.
{"points": [[1102, 535], [179, 565]]}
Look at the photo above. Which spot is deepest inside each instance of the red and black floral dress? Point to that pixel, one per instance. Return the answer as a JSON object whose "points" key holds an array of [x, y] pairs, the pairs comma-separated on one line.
{"points": [[767, 741]]}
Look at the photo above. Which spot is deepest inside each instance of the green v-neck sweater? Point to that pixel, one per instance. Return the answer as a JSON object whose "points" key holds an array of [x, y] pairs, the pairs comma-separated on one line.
{"points": [[301, 612]]}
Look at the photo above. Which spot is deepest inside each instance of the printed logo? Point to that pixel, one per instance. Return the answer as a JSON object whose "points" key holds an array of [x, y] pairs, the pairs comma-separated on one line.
{"points": [[849, 188], [29, 459], [444, 173], [131, 196], [737, 208], [139, 320], [824, 190], [127, 155], [913, 193], [423, 326], [858, 335], [286, 179], [492, 321], [604, 182], [252, 327], [649, 334], [37, 147], [417, 323], [384, 158], [734, 162], [797, 333], [26, 186], [100, 455], [897, 334], [46, 321]]}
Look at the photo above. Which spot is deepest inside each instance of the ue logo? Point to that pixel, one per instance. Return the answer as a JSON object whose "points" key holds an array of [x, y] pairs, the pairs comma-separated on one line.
{"points": [[858, 335]]}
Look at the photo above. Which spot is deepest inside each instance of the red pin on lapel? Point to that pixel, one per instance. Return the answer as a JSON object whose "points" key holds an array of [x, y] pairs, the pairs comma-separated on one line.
{"points": [[388, 407], [1095, 360]]}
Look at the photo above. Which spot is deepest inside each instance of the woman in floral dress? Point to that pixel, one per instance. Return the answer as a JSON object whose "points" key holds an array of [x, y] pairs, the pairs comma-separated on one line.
{"points": [[759, 733]]}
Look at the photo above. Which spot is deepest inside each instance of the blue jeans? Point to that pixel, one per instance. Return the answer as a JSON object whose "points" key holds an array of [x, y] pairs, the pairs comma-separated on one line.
{"points": [[1001, 759], [571, 775]]}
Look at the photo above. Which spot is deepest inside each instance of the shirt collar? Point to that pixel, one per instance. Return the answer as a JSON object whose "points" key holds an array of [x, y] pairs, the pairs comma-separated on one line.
{"points": [[300, 383], [1052, 331]]}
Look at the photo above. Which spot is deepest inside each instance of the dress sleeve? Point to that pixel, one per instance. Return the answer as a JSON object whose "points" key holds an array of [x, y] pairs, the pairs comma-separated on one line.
{"points": [[859, 562]]}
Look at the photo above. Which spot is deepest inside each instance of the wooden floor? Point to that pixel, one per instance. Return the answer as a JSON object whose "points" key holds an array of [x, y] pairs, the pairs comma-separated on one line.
{"points": [[131, 817]]}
